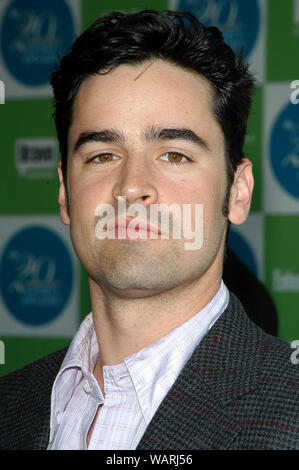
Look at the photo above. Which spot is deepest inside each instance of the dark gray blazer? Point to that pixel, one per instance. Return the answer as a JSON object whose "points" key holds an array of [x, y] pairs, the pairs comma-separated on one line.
{"points": [[239, 390]]}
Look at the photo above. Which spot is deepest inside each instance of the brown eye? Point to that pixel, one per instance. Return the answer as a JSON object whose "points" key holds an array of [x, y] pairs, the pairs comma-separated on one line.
{"points": [[174, 158], [105, 157]]}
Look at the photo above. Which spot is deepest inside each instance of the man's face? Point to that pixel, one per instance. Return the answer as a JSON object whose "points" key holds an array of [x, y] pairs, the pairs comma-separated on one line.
{"points": [[142, 159]]}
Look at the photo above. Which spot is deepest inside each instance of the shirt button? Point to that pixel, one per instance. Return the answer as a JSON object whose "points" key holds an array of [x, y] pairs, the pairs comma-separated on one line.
{"points": [[86, 386]]}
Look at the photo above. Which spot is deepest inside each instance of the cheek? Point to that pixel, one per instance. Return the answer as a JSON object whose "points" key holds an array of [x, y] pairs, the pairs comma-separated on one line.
{"points": [[86, 194], [208, 191]]}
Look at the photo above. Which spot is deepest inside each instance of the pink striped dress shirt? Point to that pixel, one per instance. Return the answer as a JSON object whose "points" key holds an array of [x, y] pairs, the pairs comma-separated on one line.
{"points": [[133, 390]]}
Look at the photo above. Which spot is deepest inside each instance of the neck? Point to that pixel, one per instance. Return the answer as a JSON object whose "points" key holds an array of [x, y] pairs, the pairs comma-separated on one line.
{"points": [[128, 322]]}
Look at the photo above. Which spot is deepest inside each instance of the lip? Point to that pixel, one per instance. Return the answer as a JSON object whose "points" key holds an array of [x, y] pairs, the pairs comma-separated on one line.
{"points": [[140, 226]]}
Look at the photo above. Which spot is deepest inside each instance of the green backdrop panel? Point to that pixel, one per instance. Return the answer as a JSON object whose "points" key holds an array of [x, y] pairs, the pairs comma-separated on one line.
{"points": [[282, 270], [20, 194], [282, 41], [92, 9], [20, 351]]}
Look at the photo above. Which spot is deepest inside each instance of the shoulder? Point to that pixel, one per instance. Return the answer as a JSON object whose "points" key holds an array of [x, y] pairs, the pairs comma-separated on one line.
{"points": [[38, 376], [278, 371], [25, 397], [279, 377], [268, 411], [268, 356], [269, 414]]}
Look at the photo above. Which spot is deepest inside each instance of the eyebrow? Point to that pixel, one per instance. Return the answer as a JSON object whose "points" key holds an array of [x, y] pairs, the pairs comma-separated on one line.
{"points": [[150, 134], [158, 133]]}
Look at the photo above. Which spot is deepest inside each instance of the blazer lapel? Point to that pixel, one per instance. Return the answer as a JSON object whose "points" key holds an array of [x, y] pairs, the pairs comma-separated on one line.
{"points": [[195, 413]]}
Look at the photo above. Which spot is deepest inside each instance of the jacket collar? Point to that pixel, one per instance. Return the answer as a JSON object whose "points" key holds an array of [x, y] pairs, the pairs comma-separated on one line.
{"points": [[223, 367]]}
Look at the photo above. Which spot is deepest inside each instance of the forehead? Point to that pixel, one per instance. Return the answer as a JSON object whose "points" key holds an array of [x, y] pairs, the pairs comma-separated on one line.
{"points": [[152, 93]]}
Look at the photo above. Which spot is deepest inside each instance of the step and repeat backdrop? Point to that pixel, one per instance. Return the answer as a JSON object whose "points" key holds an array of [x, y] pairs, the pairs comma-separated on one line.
{"points": [[43, 288]]}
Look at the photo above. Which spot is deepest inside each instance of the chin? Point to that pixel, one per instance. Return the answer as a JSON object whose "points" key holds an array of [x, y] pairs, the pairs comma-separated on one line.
{"points": [[132, 287], [134, 292]]}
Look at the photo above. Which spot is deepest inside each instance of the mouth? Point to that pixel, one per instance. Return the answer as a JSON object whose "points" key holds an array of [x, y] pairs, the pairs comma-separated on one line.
{"points": [[133, 229]]}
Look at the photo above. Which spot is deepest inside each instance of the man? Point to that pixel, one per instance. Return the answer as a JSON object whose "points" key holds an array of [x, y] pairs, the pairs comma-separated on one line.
{"points": [[151, 109]]}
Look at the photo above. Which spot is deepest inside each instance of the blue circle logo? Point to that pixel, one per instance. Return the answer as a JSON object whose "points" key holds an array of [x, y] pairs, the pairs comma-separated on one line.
{"points": [[242, 249], [284, 149], [36, 275], [33, 33], [238, 20]]}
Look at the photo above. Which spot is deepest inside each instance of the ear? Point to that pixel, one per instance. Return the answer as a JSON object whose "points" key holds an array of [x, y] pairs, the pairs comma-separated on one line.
{"points": [[62, 198], [241, 192]]}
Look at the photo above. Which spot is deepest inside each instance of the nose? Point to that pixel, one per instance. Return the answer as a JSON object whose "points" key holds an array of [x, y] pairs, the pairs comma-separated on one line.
{"points": [[136, 183]]}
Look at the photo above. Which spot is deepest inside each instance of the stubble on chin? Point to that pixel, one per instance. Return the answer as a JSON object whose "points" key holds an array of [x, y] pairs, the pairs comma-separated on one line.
{"points": [[130, 268], [127, 264]]}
